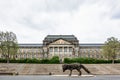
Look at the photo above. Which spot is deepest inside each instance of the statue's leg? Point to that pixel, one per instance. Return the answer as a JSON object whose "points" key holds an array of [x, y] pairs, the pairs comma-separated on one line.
{"points": [[80, 73], [70, 72]]}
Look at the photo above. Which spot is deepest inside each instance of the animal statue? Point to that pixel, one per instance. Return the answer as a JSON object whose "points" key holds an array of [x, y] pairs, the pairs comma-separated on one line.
{"points": [[73, 66]]}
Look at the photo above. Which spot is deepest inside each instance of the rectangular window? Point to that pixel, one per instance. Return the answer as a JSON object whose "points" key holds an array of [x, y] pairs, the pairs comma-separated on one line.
{"points": [[65, 49], [51, 49], [32, 55], [55, 49], [60, 49], [97, 56], [70, 49]]}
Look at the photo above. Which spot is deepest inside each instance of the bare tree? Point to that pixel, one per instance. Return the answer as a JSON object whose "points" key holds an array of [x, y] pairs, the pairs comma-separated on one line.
{"points": [[111, 48], [8, 44]]}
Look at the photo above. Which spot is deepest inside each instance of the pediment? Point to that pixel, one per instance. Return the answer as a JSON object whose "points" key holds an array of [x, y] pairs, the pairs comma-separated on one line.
{"points": [[60, 41]]}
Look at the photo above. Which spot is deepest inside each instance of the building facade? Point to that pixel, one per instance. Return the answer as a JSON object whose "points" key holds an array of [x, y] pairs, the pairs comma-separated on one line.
{"points": [[62, 46]]}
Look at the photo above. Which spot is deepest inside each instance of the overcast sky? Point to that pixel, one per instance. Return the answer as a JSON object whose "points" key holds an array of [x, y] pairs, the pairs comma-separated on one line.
{"points": [[91, 21]]}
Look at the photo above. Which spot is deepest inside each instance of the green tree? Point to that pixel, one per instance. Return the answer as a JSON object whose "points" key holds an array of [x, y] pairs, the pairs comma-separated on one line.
{"points": [[111, 48], [8, 44]]}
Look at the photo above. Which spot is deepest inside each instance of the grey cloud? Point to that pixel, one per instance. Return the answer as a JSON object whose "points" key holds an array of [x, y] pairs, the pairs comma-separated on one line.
{"points": [[116, 15]]}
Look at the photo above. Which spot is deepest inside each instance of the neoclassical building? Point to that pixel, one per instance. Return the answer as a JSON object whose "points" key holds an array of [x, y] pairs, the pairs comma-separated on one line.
{"points": [[60, 45]]}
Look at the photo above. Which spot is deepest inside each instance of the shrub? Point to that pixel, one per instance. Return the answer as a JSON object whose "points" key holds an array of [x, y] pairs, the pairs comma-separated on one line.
{"points": [[67, 60], [117, 61], [87, 60], [79, 60], [44, 61], [55, 60], [3, 60]]}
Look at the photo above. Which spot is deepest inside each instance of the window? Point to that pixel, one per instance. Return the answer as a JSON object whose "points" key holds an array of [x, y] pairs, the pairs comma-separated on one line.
{"points": [[97, 56], [51, 49], [32, 55], [65, 49], [56, 49], [70, 49], [60, 49]]}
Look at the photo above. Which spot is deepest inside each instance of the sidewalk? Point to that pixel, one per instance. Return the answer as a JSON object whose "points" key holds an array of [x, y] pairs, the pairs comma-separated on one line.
{"points": [[56, 69]]}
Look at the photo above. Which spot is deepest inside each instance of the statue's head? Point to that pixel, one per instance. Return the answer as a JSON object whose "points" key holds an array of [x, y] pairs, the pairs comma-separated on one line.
{"points": [[64, 67]]}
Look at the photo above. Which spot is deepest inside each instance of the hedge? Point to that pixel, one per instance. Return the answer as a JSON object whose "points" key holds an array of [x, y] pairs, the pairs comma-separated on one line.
{"points": [[53, 60], [88, 60]]}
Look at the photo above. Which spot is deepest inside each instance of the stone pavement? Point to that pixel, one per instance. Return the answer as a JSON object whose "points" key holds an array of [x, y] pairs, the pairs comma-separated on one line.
{"points": [[56, 69]]}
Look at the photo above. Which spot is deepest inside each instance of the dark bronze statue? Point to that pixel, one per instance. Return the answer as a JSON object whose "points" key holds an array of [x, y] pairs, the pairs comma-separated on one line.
{"points": [[73, 66]]}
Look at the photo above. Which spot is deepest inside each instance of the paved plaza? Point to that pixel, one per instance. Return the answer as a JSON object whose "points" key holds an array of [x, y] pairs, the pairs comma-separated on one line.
{"points": [[31, 77], [41, 71], [56, 69]]}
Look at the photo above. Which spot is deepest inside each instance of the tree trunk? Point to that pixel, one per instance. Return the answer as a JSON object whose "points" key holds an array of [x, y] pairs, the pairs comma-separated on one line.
{"points": [[113, 61], [8, 55], [43, 55], [7, 58]]}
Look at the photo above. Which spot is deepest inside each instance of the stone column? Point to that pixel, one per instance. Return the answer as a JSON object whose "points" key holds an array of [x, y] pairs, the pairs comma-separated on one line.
{"points": [[58, 51], [63, 52], [53, 53]]}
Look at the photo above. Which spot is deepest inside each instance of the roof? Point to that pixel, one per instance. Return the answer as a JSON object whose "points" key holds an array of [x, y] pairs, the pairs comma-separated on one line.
{"points": [[81, 45], [30, 45], [51, 38], [54, 37], [91, 45], [60, 36]]}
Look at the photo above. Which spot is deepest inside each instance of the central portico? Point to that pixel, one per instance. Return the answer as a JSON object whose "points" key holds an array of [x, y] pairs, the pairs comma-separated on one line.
{"points": [[61, 45]]}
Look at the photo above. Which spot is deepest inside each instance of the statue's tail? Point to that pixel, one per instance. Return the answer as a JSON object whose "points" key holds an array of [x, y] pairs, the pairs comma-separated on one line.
{"points": [[85, 69]]}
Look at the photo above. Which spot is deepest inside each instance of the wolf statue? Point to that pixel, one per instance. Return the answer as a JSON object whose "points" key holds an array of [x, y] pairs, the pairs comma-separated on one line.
{"points": [[73, 66]]}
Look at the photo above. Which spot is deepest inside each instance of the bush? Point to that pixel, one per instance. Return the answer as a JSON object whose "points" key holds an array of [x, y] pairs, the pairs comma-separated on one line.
{"points": [[21, 60], [117, 61], [88, 60], [54, 60], [44, 61], [3, 60], [79, 60], [32, 61], [67, 60]]}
